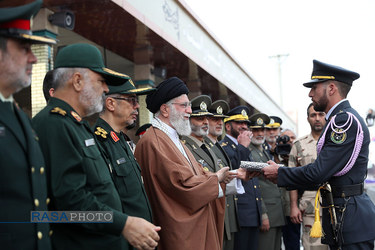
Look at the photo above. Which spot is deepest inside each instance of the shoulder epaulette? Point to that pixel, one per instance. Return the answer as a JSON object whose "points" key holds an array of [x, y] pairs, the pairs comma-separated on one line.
{"points": [[101, 132], [57, 110]]}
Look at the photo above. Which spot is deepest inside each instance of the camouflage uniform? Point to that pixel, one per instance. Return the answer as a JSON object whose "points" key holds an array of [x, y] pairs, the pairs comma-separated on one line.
{"points": [[304, 152]]}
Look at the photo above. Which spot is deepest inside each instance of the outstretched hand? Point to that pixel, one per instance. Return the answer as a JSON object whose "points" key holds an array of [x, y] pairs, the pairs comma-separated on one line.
{"points": [[270, 172]]}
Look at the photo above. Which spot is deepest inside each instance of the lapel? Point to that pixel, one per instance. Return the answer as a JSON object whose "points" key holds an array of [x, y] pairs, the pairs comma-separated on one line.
{"points": [[224, 153], [200, 153], [12, 124]]}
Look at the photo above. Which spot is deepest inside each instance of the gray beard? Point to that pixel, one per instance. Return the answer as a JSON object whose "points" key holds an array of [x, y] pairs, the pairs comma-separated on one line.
{"points": [[257, 142], [198, 130], [179, 124]]}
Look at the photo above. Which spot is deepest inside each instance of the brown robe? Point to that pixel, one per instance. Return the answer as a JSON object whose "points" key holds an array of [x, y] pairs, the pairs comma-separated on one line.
{"points": [[183, 197]]}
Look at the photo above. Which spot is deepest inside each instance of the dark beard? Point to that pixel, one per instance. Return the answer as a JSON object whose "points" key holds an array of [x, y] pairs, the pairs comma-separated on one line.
{"points": [[322, 105], [234, 132]]}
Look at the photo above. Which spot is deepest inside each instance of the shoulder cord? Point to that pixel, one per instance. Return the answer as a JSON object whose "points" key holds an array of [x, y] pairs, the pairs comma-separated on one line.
{"points": [[357, 145]]}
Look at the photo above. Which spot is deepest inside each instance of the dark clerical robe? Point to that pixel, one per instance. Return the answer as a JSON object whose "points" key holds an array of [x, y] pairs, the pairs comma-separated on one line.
{"points": [[182, 195]]}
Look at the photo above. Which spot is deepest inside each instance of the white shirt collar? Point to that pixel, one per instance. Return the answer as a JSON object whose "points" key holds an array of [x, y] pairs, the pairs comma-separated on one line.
{"points": [[233, 139], [334, 106], [9, 99]]}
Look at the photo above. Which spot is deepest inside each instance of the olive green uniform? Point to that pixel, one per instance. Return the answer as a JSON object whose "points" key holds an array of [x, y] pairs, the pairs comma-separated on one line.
{"points": [[22, 182], [126, 172], [272, 198], [79, 179], [231, 218]]}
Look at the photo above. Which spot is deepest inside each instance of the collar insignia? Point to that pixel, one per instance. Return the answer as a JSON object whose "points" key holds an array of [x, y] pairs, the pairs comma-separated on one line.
{"points": [[114, 136], [76, 116]]}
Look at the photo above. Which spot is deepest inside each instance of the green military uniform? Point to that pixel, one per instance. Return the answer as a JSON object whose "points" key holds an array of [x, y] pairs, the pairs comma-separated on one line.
{"points": [[80, 179], [23, 181], [230, 220], [271, 194]]}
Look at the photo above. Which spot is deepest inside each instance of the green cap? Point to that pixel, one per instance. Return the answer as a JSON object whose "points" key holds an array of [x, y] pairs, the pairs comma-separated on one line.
{"points": [[16, 22], [219, 109], [200, 106], [83, 55], [128, 87], [259, 120]]}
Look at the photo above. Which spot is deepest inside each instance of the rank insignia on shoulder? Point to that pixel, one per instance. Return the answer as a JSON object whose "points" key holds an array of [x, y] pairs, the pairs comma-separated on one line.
{"points": [[101, 132], [76, 116], [338, 136], [223, 144], [211, 144], [114, 136], [58, 110]]}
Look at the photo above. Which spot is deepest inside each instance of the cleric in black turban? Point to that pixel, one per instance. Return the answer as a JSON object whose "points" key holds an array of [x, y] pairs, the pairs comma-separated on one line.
{"points": [[165, 91]]}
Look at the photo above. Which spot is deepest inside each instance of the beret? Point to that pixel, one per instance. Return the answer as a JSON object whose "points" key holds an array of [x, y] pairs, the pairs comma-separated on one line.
{"points": [[166, 91]]}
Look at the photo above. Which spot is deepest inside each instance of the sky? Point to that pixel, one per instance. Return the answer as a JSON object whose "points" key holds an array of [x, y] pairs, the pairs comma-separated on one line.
{"points": [[339, 32]]}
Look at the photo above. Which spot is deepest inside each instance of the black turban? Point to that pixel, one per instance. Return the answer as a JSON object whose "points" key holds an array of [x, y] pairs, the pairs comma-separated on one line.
{"points": [[166, 91]]}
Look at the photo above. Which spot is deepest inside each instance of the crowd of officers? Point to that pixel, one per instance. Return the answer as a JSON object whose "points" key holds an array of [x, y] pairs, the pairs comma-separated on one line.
{"points": [[180, 187]]}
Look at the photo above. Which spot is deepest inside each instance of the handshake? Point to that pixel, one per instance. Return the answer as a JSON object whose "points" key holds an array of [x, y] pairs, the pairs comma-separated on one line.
{"points": [[268, 169]]}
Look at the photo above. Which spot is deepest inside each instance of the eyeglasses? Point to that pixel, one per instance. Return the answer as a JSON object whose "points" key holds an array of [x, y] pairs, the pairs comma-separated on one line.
{"points": [[183, 104], [132, 100]]}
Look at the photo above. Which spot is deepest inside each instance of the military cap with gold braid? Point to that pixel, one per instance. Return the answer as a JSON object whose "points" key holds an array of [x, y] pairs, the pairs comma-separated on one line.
{"points": [[238, 114], [128, 88], [259, 120], [84, 55], [324, 72], [15, 22], [219, 109], [200, 106], [275, 122]]}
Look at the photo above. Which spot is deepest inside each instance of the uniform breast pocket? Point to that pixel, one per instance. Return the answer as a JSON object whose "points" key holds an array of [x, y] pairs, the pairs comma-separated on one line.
{"points": [[95, 166], [126, 178]]}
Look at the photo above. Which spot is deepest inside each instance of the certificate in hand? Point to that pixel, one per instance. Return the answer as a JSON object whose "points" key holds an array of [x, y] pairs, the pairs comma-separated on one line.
{"points": [[255, 166]]}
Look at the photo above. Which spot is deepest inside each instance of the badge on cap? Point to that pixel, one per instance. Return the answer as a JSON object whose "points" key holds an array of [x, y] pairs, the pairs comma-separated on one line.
{"points": [[243, 112], [219, 110], [203, 106], [260, 121], [272, 121]]}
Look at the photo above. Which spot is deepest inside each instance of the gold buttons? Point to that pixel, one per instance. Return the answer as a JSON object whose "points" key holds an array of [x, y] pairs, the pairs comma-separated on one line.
{"points": [[40, 235], [42, 170], [257, 198], [32, 170], [50, 232], [48, 200], [235, 198], [227, 205], [255, 186], [36, 202]]}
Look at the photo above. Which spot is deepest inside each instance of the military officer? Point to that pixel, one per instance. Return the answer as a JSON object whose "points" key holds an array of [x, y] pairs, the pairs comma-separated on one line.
{"points": [[273, 130], [215, 129], [120, 110], [235, 144], [79, 176], [273, 217], [342, 162], [23, 178]]}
